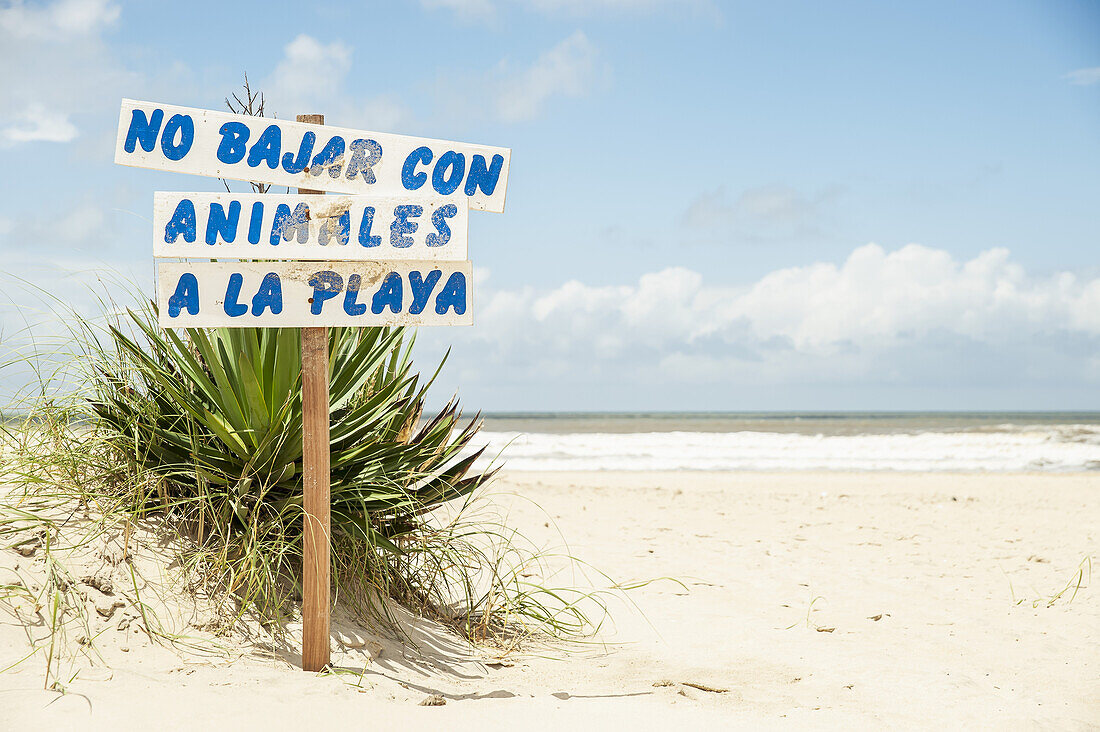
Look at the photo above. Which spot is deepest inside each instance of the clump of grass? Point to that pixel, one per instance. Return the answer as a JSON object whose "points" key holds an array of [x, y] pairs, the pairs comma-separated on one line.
{"points": [[1079, 579], [810, 609], [199, 433]]}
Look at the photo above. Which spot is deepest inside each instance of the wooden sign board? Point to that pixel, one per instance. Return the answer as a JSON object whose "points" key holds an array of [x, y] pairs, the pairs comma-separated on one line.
{"points": [[303, 227], [313, 294], [311, 156]]}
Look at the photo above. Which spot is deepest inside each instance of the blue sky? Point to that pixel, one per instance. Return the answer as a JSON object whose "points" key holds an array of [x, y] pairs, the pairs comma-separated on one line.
{"points": [[711, 205]]}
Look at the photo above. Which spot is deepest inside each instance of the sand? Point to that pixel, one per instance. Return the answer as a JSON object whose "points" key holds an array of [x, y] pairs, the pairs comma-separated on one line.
{"points": [[824, 600]]}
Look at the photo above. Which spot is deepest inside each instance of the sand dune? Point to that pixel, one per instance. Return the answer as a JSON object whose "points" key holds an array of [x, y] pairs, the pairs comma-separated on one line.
{"points": [[822, 600]]}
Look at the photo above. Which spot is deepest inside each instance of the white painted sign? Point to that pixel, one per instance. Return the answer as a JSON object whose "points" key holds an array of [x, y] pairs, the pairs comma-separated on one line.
{"points": [[311, 294], [301, 155], [267, 226]]}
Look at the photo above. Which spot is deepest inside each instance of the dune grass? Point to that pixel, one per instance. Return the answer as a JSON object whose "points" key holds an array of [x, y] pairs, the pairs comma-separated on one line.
{"points": [[196, 436], [1080, 578]]}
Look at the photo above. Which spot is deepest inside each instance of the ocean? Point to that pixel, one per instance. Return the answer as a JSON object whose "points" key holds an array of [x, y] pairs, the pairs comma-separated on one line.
{"points": [[785, 441]]}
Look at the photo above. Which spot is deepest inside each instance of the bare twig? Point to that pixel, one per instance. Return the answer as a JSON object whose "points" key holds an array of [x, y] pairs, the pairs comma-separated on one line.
{"points": [[253, 105]]}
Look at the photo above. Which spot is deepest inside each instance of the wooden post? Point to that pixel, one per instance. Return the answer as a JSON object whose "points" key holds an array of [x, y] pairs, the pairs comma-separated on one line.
{"points": [[316, 539]]}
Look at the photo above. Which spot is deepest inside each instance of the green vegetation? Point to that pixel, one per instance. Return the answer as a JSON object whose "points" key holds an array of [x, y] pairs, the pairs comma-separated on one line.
{"points": [[196, 438], [215, 419]]}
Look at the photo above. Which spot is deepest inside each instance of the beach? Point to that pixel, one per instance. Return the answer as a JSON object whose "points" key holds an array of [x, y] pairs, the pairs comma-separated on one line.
{"points": [[761, 392], [801, 599]]}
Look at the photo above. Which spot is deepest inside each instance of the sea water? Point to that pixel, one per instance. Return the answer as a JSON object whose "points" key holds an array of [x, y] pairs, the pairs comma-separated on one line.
{"points": [[949, 442]]}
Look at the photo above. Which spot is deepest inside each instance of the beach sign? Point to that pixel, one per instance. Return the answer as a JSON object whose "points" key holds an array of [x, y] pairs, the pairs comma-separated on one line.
{"points": [[309, 156], [390, 250], [313, 294], [311, 227]]}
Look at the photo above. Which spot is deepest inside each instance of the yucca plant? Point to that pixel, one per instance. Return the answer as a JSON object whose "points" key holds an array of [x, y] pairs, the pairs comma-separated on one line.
{"points": [[216, 416], [199, 432]]}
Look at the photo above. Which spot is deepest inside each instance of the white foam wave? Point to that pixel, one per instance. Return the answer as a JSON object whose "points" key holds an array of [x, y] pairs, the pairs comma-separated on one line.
{"points": [[1060, 448]]}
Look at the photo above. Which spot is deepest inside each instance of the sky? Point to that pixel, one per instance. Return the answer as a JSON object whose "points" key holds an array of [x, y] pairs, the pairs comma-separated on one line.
{"points": [[711, 205]]}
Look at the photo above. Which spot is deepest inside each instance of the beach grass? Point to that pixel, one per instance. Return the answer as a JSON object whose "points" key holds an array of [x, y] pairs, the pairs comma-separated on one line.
{"points": [[196, 439]]}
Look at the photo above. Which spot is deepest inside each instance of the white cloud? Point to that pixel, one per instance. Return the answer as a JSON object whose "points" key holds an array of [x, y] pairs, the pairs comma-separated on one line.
{"points": [[37, 124], [310, 71], [59, 20], [1084, 77], [87, 228], [84, 223], [310, 78], [911, 315], [569, 69], [464, 9], [585, 7], [58, 69], [759, 214], [513, 92], [488, 9]]}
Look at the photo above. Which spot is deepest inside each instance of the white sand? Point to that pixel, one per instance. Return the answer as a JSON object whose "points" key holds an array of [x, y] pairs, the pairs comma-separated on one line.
{"points": [[768, 560]]}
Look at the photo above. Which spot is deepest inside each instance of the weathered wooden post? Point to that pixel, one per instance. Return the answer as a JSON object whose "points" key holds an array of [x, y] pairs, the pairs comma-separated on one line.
{"points": [[316, 534]]}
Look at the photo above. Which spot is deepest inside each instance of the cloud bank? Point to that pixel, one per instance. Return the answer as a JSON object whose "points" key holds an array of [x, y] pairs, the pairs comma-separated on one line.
{"points": [[915, 316]]}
